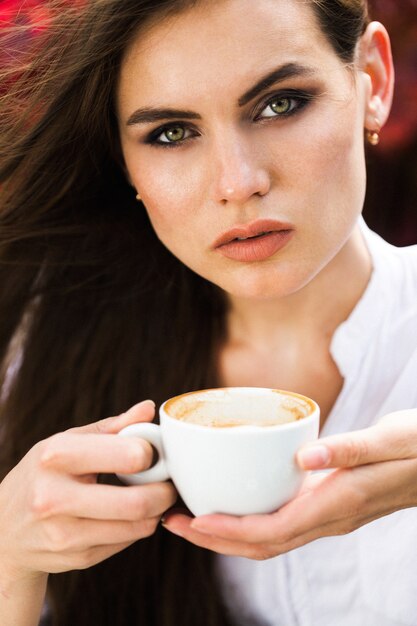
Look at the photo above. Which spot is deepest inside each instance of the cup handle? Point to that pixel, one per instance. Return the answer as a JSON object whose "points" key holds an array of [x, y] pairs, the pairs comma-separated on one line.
{"points": [[159, 471]]}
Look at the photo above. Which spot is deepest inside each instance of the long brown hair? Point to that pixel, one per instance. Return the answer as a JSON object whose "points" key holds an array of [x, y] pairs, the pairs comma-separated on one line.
{"points": [[94, 311]]}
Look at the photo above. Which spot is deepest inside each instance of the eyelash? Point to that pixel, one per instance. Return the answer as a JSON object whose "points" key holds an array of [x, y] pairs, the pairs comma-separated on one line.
{"points": [[301, 99]]}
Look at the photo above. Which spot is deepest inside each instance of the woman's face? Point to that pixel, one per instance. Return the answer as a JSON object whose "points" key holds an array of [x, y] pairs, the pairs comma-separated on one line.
{"points": [[243, 133]]}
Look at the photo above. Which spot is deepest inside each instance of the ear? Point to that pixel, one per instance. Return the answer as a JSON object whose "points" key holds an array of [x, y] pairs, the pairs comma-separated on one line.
{"points": [[376, 63]]}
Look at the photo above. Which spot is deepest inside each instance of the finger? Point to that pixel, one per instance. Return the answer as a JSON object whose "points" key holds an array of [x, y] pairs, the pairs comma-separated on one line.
{"points": [[108, 502], [250, 528], [82, 559], [312, 481], [345, 499], [103, 533], [80, 454], [181, 526], [71, 535], [394, 437], [141, 412], [116, 532], [96, 555]]}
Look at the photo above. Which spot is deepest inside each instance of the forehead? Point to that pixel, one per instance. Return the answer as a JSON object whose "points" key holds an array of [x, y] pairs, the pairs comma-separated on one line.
{"points": [[219, 43]]}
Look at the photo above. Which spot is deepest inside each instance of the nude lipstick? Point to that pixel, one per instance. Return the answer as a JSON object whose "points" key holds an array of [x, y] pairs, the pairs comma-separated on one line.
{"points": [[255, 241]]}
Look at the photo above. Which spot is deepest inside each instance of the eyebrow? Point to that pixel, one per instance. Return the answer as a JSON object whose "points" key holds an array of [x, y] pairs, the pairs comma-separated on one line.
{"points": [[289, 70], [147, 115]]}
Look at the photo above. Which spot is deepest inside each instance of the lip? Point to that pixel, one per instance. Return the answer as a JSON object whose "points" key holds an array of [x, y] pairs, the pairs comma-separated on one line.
{"points": [[255, 241]]}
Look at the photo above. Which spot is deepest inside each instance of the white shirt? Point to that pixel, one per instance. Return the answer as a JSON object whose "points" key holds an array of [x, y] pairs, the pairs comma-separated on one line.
{"points": [[369, 577]]}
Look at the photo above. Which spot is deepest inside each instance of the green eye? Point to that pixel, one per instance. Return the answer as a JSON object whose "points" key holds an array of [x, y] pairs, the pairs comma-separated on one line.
{"points": [[281, 105], [174, 134], [171, 135]]}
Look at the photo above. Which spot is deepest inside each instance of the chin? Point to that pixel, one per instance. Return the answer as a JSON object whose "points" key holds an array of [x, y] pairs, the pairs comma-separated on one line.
{"points": [[265, 287]]}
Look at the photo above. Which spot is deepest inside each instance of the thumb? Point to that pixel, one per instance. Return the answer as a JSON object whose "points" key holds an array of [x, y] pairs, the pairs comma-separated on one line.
{"points": [[142, 412], [393, 437]]}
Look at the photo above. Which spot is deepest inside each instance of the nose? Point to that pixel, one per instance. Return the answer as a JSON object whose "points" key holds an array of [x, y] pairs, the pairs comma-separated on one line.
{"points": [[238, 171]]}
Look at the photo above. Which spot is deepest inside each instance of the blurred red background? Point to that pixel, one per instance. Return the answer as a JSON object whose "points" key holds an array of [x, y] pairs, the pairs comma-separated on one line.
{"points": [[391, 202]]}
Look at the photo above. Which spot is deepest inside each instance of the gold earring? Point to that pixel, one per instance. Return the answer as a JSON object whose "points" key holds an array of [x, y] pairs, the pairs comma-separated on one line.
{"points": [[373, 137], [138, 197]]}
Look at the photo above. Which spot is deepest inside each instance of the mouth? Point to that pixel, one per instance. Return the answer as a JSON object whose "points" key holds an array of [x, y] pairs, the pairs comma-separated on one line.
{"points": [[255, 241], [252, 230], [268, 232]]}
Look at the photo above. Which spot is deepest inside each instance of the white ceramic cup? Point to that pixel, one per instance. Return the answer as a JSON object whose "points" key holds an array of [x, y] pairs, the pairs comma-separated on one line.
{"points": [[229, 450]]}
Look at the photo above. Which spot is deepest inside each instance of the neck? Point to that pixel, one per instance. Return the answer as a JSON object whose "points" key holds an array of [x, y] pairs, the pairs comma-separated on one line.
{"points": [[316, 309]]}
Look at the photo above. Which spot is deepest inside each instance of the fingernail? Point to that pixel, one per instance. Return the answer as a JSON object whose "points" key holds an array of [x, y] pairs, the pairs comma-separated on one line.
{"points": [[174, 531], [175, 510], [148, 402], [141, 403], [164, 519], [136, 406], [314, 457]]}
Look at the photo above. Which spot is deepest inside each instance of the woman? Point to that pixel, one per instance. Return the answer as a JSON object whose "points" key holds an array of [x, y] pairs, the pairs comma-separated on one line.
{"points": [[181, 202]]}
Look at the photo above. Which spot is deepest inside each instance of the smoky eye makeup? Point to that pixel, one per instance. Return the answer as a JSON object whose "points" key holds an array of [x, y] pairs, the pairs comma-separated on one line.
{"points": [[283, 103], [171, 134], [278, 105]]}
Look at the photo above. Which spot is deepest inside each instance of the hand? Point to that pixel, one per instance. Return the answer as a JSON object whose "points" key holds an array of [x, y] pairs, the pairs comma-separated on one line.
{"points": [[375, 473], [55, 517]]}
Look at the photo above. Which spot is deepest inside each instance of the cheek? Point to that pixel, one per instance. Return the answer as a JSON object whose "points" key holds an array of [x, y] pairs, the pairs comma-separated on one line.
{"points": [[345, 177], [332, 171], [168, 190]]}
